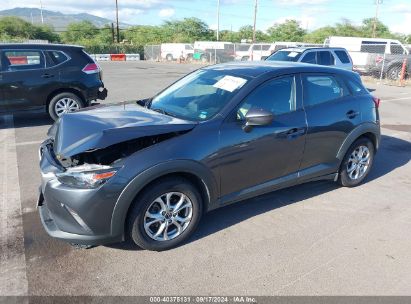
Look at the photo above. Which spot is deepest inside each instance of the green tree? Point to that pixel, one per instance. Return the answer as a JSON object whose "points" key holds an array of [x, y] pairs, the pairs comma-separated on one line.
{"points": [[381, 30], [79, 31], [319, 35], [246, 32], [187, 30], [290, 30], [14, 28]]}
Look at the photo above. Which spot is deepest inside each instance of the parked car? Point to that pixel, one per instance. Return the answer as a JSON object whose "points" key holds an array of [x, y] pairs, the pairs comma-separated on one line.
{"points": [[174, 51], [374, 55], [59, 78], [336, 57], [147, 171]]}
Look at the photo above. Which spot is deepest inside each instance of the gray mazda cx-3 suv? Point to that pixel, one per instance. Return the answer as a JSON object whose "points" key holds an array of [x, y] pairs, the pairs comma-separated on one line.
{"points": [[148, 170]]}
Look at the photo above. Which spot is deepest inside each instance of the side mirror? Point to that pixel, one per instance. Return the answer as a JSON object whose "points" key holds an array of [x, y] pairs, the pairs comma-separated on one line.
{"points": [[257, 117]]}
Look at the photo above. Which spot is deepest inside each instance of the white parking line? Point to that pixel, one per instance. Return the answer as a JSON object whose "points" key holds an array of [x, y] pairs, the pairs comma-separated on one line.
{"points": [[13, 275], [395, 99]]}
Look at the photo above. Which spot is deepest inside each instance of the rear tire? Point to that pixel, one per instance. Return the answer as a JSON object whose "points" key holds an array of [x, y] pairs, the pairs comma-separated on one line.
{"points": [[63, 103], [168, 229], [394, 73], [357, 163]]}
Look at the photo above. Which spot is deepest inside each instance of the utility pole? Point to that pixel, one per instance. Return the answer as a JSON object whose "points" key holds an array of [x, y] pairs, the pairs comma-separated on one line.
{"points": [[41, 12], [255, 18], [218, 20], [112, 33], [374, 27], [118, 26]]}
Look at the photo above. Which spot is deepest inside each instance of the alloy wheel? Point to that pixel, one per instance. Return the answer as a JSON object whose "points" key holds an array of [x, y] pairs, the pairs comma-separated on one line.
{"points": [[66, 105], [358, 162], [168, 216]]}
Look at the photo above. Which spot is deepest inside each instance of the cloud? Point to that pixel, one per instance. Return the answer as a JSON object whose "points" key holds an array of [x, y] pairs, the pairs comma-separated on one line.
{"points": [[400, 8], [301, 2], [166, 12], [403, 27]]}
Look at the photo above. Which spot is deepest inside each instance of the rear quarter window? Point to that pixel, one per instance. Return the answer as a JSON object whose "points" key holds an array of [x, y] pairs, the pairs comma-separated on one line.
{"points": [[343, 56], [355, 87], [57, 57], [319, 89]]}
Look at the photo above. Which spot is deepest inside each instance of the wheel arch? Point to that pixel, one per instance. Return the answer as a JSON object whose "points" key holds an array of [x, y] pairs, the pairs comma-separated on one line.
{"points": [[368, 130], [77, 92], [193, 171]]}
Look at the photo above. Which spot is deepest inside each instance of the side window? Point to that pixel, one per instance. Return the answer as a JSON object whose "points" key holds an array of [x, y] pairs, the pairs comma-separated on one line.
{"points": [[265, 47], [276, 96], [188, 47], [325, 58], [23, 59], [356, 88], [256, 47], [374, 47], [56, 57], [321, 88], [309, 58], [395, 48], [343, 56]]}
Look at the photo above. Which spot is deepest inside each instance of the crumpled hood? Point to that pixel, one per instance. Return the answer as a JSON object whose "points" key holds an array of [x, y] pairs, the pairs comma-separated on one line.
{"points": [[103, 126]]}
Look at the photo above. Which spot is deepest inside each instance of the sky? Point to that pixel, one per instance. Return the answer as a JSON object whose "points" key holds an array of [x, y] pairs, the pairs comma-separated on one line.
{"points": [[312, 14]]}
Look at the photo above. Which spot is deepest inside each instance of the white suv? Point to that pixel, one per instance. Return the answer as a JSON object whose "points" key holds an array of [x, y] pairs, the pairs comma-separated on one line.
{"points": [[337, 57]]}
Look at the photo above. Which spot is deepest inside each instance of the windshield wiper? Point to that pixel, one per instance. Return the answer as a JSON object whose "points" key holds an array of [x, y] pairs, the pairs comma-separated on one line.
{"points": [[162, 111]]}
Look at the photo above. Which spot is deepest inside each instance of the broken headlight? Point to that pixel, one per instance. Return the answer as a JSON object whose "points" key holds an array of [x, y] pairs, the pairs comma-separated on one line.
{"points": [[86, 176]]}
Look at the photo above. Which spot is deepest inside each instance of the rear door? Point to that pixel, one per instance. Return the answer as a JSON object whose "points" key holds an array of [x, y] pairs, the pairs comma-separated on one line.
{"points": [[332, 113], [25, 78]]}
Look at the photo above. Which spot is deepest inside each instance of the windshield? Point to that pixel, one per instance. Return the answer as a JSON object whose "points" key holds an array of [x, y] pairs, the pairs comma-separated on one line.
{"points": [[285, 56], [198, 96]]}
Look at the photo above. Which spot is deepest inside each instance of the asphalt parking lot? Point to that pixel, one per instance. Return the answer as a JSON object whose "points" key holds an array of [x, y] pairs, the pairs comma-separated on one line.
{"points": [[312, 239]]}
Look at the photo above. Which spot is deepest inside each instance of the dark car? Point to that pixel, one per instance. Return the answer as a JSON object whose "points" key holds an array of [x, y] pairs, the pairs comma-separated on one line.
{"points": [[147, 171], [59, 78]]}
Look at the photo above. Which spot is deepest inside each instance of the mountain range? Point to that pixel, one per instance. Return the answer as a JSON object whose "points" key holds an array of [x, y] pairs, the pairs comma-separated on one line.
{"points": [[58, 20]]}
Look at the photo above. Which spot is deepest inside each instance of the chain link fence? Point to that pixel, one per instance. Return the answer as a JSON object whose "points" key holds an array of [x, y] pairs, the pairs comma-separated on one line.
{"points": [[387, 62]]}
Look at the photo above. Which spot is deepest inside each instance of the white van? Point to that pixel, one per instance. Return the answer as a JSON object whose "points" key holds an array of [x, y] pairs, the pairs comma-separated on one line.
{"points": [[174, 51], [363, 50]]}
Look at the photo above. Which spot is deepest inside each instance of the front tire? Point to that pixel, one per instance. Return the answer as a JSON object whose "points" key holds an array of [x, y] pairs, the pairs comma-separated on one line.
{"points": [[63, 103], [165, 214], [357, 163]]}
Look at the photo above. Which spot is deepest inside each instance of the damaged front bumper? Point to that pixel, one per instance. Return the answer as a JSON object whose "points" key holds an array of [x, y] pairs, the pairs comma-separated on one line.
{"points": [[81, 216]]}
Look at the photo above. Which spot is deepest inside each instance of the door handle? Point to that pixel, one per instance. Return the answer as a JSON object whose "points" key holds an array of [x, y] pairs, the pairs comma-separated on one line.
{"points": [[47, 75], [352, 114], [295, 132]]}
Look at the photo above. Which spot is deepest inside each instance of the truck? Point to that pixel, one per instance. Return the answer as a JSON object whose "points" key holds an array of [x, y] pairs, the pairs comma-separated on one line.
{"points": [[375, 56]]}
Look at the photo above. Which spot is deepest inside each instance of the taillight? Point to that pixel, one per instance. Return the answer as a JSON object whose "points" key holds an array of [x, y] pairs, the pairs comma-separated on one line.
{"points": [[377, 101], [91, 68]]}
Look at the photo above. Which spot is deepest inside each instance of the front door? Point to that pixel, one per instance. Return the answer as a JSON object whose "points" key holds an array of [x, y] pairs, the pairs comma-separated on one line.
{"points": [[266, 156]]}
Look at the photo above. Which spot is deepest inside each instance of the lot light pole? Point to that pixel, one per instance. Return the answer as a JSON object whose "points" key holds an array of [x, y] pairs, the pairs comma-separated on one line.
{"points": [[218, 20], [41, 12], [117, 25], [255, 18], [374, 28]]}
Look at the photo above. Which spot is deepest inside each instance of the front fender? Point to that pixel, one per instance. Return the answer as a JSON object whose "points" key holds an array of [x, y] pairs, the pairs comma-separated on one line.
{"points": [[129, 193]]}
